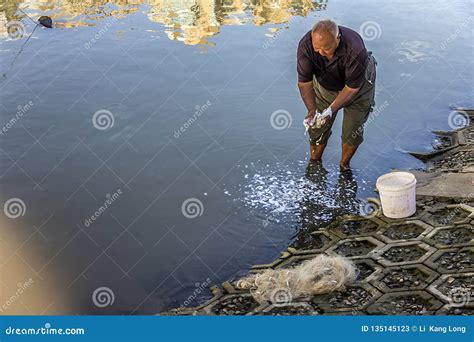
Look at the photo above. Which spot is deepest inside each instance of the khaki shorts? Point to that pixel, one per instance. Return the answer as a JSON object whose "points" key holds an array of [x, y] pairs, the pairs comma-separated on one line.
{"points": [[356, 112]]}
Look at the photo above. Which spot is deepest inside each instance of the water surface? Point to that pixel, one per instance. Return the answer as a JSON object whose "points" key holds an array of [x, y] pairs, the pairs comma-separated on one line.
{"points": [[184, 117]]}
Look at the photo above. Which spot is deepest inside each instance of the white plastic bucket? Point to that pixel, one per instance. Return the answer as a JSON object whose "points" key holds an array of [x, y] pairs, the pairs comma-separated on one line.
{"points": [[397, 194]]}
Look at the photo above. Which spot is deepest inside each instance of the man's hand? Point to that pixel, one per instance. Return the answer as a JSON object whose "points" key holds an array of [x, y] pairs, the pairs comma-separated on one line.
{"points": [[343, 98], [310, 115], [310, 119], [326, 116]]}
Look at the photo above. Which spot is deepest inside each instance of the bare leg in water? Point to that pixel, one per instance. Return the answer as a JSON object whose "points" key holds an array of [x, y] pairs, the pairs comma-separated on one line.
{"points": [[316, 152], [347, 153]]}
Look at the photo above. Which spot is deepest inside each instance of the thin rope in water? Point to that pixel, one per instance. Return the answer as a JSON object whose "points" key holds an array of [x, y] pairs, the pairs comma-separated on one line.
{"points": [[22, 46], [19, 52], [34, 22]]}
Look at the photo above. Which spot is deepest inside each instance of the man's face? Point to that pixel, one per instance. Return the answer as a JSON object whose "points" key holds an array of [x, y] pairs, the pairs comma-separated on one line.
{"points": [[325, 44]]}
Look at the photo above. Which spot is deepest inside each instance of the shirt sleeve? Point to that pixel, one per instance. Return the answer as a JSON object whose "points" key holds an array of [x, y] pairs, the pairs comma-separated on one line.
{"points": [[354, 69], [304, 64]]}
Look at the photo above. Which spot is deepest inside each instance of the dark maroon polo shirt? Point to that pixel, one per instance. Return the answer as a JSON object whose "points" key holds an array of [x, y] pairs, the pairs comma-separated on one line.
{"points": [[347, 67]]}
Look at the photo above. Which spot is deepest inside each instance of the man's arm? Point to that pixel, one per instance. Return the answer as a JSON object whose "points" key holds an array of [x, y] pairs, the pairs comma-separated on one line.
{"points": [[308, 96], [343, 98], [354, 72]]}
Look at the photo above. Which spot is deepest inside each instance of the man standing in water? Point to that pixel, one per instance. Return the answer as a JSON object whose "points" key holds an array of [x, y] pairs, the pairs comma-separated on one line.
{"points": [[335, 71]]}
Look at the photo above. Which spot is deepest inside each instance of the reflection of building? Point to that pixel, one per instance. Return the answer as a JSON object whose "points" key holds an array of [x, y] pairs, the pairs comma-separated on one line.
{"points": [[3, 25], [193, 21], [190, 21], [7, 12]]}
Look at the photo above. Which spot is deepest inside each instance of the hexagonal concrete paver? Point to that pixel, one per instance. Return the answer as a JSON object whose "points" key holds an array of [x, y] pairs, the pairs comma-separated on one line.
{"points": [[317, 242], [355, 297], [356, 248], [407, 277], [404, 253], [367, 269], [456, 290], [290, 309], [408, 230], [448, 309], [449, 215], [405, 303], [452, 260], [355, 227], [234, 304], [451, 236]]}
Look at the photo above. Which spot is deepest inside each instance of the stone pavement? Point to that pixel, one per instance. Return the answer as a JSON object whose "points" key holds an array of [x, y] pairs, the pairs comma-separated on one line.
{"points": [[421, 265]]}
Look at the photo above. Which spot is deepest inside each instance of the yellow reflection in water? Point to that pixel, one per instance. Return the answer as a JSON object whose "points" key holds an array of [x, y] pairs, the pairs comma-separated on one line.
{"points": [[189, 21]]}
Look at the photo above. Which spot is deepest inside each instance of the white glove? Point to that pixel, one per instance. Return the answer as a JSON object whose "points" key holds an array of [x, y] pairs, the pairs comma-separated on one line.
{"points": [[310, 122], [306, 123], [325, 116]]}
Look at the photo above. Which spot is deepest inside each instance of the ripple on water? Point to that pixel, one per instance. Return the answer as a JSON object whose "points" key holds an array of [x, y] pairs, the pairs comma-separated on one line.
{"points": [[415, 51], [298, 192]]}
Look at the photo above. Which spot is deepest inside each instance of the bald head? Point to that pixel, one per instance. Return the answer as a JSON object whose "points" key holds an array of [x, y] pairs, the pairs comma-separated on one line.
{"points": [[325, 37], [326, 26]]}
